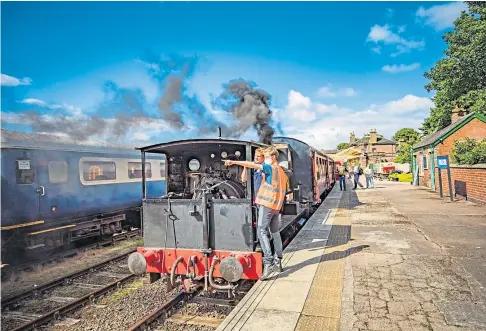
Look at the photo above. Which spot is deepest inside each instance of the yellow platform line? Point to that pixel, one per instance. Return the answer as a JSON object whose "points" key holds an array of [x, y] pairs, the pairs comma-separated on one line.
{"points": [[11, 227], [50, 230], [322, 309]]}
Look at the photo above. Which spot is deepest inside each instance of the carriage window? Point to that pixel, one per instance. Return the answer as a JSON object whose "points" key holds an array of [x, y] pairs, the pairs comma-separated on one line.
{"points": [[135, 170], [58, 172], [99, 170], [24, 172], [162, 169]]}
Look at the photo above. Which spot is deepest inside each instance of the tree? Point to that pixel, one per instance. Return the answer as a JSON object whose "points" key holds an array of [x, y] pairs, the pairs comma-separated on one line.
{"points": [[408, 137], [459, 79], [342, 146], [469, 151]]}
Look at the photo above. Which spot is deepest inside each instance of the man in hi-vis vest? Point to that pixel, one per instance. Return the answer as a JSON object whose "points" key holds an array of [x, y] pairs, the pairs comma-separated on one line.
{"points": [[270, 199]]}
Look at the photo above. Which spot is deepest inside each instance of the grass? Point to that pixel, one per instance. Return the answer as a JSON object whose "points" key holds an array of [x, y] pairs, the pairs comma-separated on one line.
{"points": [[407, 178], [129, 289]]}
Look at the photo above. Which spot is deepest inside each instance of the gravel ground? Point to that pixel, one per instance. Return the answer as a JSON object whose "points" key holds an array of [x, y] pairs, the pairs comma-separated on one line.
{"points": [[43, 274], [121, 309], [44, 302]]}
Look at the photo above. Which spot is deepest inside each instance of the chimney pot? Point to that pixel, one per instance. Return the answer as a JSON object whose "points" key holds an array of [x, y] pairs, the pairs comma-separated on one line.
{"points": [[373, 138], [352, 138], [457, 113]]}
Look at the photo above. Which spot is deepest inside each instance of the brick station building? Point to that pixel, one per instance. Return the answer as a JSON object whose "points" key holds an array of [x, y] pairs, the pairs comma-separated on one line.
{"points": [[467, 181], [374, 148]]}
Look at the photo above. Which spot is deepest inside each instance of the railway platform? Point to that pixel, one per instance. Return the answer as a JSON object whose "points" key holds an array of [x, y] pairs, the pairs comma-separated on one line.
{"points": [[413, 262]]}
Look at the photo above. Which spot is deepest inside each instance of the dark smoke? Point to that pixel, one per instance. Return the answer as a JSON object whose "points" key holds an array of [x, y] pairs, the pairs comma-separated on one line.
{"points": [[125, 109], [249, 107]]}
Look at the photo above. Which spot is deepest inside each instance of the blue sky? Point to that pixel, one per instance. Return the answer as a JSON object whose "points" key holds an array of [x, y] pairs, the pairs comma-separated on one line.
{"points": [[330, 67]]}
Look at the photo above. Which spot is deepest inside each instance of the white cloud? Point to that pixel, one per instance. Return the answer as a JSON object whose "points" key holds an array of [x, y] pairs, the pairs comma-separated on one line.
{"points": [[384, 34], [141, 136], [408, 104], [75, 111], [328, 92], [299, 107], [152, 66], [7, 80], [335, 126], [36, 102], [400, 68], [441, 16], [377, 50]]}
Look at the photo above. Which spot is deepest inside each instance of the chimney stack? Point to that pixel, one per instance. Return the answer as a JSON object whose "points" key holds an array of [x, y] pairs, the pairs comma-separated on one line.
{"points": [[352, 138], [457, 113], [373, 138]]}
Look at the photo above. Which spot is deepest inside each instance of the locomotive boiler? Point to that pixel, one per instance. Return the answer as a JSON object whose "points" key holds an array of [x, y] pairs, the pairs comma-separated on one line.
{"points": [[203, 231]]}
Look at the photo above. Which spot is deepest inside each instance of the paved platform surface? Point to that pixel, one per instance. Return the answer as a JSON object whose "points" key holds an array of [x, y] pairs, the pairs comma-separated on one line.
{"points": [[395, 257]]}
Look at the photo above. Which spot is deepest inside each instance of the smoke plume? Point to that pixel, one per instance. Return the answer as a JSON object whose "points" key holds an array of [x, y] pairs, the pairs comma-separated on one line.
{"points": [[249, 107], [123, 110]]}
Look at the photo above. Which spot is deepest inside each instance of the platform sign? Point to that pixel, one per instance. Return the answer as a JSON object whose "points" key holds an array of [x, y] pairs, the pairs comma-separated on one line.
{"points": [[442, 162]]}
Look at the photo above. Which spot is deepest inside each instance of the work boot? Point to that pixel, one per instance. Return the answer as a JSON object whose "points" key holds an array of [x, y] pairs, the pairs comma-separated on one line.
{"points": [[267, 271], [278, 263]]}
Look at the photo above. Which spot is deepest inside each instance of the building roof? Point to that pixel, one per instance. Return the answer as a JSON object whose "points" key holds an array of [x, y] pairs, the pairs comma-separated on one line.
{"points": [[329, 151], [451, 128], [380, 141]]}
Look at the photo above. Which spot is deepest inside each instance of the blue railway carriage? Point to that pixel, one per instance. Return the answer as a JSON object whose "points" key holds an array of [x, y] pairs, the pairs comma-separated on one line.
{"points": [[56, 191]]}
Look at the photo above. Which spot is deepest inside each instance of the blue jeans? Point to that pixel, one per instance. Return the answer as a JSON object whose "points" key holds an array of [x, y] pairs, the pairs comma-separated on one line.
{"points": [[269, 218], [369, 182], [356, 181], [342, 182]]}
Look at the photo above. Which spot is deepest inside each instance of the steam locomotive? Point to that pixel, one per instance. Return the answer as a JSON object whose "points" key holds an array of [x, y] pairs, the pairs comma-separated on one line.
{"points": [[57, 192], [203, 230]]}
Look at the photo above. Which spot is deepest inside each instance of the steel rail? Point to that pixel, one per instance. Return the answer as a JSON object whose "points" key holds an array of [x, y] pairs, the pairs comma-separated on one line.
{"points": [[151, 317], [11, 300], [8, 270], [56, 313]]}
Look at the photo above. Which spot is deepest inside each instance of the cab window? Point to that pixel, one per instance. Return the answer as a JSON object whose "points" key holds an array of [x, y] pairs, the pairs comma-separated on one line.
{"points": [[24, 170]]}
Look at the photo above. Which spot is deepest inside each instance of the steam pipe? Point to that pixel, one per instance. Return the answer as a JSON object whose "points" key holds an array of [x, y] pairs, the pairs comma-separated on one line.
{"points": [[205, 221], [211, 280], [174, 267]]}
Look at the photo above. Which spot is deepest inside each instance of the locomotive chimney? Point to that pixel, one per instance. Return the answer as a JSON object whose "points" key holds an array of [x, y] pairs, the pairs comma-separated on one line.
{"points": [[219, 132]]}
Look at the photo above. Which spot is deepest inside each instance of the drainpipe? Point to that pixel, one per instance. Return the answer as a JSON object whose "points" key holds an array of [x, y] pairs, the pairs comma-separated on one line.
{"points": [[432, 168]]}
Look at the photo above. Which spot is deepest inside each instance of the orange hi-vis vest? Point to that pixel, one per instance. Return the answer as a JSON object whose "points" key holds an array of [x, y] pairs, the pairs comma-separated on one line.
{"points": [[272, 195]]}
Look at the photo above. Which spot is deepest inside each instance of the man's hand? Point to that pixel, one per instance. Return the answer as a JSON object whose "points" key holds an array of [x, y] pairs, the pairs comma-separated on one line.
{"points": [[228, 163]]}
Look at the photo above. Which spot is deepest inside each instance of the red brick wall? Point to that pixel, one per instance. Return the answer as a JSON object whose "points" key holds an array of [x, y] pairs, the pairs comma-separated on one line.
{"points": [[474, 177], [475, 129]]}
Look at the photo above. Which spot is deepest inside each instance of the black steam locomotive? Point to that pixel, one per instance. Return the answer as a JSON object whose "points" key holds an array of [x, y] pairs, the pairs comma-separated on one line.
{"points": [[204, 229]]}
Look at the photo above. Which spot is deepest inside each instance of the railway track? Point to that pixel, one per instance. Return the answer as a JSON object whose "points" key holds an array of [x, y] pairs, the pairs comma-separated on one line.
{"points": [[27, 310], [198, 311], [7, 271]]}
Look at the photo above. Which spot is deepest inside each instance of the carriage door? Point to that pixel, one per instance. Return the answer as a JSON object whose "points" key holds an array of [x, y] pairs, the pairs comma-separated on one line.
{"points": [[24, 206], [53, 183]]}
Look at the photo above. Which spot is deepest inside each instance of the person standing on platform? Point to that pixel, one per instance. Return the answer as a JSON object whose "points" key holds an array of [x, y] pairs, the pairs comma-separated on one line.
{"points": [[270, 198], [369, 173], [357, 171], [342, 177]]}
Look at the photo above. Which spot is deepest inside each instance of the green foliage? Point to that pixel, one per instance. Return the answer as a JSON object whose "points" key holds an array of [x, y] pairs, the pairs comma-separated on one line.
{"points": [[469, 151], [460, 77], [342, 146], [407, 134], [410, 136], [407, 178]]}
